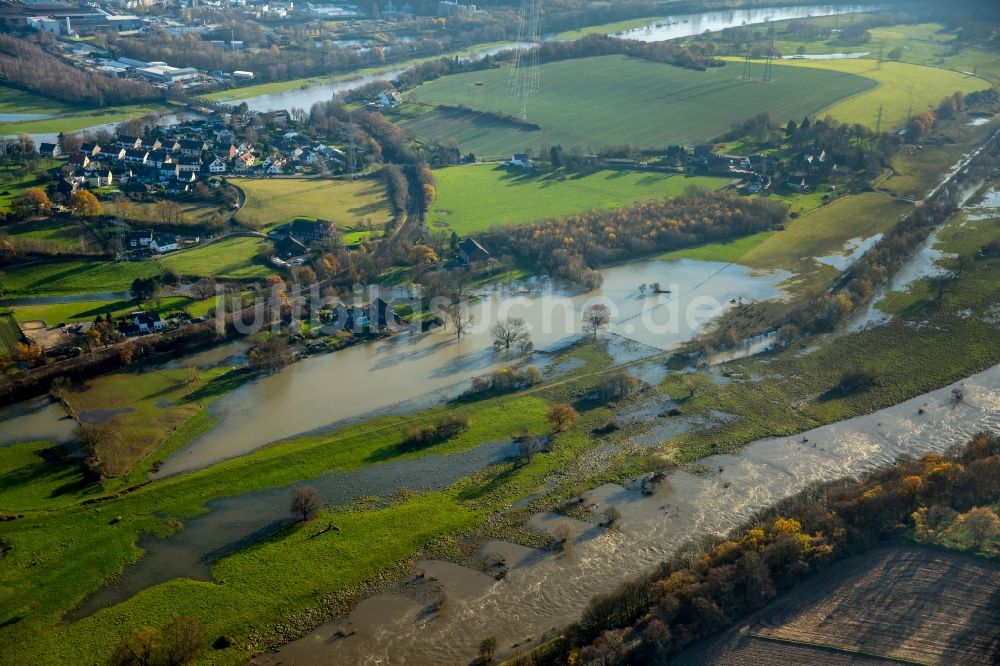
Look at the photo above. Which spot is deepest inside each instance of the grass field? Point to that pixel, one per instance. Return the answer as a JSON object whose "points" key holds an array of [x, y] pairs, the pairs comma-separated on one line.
{"points": [[474, 198], [68, 118], [74, 277], [66, 235], [611, 100], [232, 258], [274, 200], [10, 334], [825, 230], [53, 313], [194, 212], [143, 408], [902, 88], [228, 258], [928, 44]]}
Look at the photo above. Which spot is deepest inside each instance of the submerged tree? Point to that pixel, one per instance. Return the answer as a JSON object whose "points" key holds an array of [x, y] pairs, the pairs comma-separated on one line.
{"points": [[596, 318], [510, 331]]}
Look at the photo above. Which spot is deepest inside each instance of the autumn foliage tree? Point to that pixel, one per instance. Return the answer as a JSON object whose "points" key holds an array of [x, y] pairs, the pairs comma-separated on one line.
{"points": [[33, 201], [562, 416], [85, 204]]}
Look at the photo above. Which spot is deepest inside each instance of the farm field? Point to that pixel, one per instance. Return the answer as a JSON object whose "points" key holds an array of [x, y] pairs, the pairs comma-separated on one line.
{"points": [[825, 230], [610, 100], [474, 198], [10, 334], [74, 277], [78, 311], [272, 201], [902, 87], [66, 235], [892, 605], [231, 258]]}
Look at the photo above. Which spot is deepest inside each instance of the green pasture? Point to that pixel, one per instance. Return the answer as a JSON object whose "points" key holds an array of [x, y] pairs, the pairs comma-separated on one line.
{"points": [[612, 100], [472, 199]]}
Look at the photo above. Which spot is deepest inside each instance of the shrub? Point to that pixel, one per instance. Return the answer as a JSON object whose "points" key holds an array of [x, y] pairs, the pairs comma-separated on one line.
{"points": [[443, 429]]}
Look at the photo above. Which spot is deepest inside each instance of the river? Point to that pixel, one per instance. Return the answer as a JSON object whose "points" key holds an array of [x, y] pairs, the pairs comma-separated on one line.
{"points": [[544, 591]]}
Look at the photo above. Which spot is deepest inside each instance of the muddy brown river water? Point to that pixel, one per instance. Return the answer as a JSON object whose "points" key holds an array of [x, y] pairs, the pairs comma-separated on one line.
{"points": [[543, 591]]}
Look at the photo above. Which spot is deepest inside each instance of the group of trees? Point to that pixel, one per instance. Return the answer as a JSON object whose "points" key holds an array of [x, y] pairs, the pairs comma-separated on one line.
{"points": [[176, 644], [652, 617], [696, 56], [25, 65], [505, 380], [571, 246], [448, 426]]}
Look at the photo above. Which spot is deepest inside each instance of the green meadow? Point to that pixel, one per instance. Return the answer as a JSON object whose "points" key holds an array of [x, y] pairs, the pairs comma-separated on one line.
{"points": [[474, 198], [612, 100]]}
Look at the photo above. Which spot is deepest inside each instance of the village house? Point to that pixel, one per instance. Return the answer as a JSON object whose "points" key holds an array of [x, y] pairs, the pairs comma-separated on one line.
{"points": [[79, 160], [138, 240], [520, 160], [389, 98], [469, 251], [144, 322], [136, 156], [289, 247], [91, 149], [217, 166], [49, 150], [192, 147], [158, 158], [309, 231], [188, 166], [126, 141], [244, 163]]}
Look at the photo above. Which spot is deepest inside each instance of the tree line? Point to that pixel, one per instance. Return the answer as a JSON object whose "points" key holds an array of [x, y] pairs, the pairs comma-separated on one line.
{"points": [[574, 245], [25, 65], [713, 586]]}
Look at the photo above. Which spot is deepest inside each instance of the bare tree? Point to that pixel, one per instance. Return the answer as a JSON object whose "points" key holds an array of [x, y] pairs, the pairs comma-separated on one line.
{"points": [[611, 517], [95, 438], [596, 318], [305, 501], [487, 649], [564, 537], [528, 445], [460, 317], [204, 287], [509, 331]]}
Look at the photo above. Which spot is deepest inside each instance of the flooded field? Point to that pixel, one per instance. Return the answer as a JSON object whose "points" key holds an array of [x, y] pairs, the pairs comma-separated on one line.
{"points": [[34, 420], [406, 371], [543, 591], [232, 523]]}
